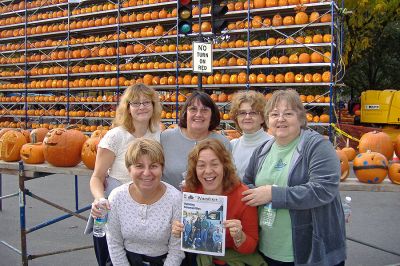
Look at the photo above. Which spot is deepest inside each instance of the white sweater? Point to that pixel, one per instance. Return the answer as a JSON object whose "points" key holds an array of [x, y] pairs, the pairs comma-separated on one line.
{"points": [[243, 147], [143, 229]]}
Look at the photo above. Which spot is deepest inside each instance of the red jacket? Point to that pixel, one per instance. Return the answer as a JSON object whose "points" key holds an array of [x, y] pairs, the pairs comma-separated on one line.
{"points": [[246, 214]]}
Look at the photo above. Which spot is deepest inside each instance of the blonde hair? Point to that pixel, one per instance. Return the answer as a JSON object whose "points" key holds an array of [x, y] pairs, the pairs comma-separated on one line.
{"points": [[292, 98], [230, 179], [254, 98], [144, 146], [133, 93]]}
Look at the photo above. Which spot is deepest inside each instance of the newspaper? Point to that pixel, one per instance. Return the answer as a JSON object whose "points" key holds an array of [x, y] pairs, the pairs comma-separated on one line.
{"points": [[202, 217]]}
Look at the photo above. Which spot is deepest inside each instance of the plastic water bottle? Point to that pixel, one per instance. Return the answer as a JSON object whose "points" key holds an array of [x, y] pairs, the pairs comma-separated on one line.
{"points": [[268, 215], [99, 226], [347, 208]]}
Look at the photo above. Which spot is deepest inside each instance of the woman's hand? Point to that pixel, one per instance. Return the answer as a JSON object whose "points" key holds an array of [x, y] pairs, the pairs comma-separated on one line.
{"points": [[236, 231], [257, 196], [235, 228], [177, 228], [96, 207]]}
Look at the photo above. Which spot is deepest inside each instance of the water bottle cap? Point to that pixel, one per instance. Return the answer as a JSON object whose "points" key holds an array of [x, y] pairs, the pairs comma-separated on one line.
{"points": [[348, 199]]}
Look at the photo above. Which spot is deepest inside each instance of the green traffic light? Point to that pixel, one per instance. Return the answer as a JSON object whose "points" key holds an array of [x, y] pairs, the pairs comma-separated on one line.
{"points": [[184, 28]]}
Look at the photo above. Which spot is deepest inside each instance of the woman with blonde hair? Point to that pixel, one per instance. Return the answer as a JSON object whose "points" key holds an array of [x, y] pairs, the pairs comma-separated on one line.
{"points": [[138, 115], [247, 111], [142, 211]]}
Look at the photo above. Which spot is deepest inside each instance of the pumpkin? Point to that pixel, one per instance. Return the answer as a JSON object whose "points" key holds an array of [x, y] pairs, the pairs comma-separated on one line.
{"points": [[89, 152], [397, 146], [277, 20], [344, 165], [4, 130], [378, 142], [350, 153], [62, 147], [38, 134], [10, 145], [32, 153], [269, 3], [259, 3], [370, 167], [99, 133], [394, 173], [301, 18]]}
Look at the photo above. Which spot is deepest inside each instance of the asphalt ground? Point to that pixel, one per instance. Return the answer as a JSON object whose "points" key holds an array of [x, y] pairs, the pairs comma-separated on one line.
{"points": [[375, 220]]}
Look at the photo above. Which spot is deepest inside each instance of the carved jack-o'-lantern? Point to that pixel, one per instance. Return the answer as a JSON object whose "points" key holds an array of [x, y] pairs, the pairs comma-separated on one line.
{"points": [[62, 147], [370, 167], [99, 133], [10, 145], [344, 165], [38, 134], [4, 130], [26, 134], [378, 142], [394, 173], [32, 153], [89, 152]]}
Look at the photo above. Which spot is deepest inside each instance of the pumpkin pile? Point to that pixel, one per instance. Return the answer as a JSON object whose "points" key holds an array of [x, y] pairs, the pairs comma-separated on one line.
{"points": [[60, 147], [371, 165]]}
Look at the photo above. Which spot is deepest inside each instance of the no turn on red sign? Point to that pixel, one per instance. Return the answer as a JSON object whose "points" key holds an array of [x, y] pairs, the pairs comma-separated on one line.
{"points": [[202, 57]]}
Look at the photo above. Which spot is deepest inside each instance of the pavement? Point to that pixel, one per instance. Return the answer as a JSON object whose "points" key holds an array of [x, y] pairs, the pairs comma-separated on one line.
{"points": [[375, 220]]}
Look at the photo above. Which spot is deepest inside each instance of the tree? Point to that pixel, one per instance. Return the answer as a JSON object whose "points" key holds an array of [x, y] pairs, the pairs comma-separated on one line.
{"points": [[371, 49]]}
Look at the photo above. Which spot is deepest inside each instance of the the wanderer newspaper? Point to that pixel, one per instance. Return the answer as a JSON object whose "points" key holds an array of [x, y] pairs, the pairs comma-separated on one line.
{"points": [[202, 217]]}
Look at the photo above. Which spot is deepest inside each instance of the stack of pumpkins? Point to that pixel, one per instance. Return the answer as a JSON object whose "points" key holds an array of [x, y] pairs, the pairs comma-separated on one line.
{"points": [[371, 165], [59, 147]]}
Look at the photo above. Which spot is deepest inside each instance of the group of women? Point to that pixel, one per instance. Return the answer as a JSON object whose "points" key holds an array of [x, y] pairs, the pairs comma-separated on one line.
{"points": [[141, 172]]}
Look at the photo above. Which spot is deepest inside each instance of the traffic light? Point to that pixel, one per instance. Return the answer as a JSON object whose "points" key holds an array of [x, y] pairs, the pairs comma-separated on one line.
{"points": [[218, 12], [185, 16]]}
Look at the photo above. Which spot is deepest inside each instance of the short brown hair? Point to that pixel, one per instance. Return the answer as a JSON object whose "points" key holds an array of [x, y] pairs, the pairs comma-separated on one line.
{"points": [[254, 98], [293, 100], [230, 179], [206, 100], [144, 146], [133, 93]]}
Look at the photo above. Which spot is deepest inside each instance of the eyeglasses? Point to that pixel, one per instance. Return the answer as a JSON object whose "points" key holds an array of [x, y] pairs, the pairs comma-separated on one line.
{"points": [[138, 104], [285, 115], [244, 113], [195, 110]]}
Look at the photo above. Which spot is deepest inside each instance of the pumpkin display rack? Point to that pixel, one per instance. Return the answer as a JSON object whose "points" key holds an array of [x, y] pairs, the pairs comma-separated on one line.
{"points": [[67, 63]]}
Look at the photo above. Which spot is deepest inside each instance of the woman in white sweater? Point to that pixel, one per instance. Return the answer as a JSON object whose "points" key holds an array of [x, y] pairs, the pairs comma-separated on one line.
{"points": [[247, 110], [142, 211], [138, 115]]}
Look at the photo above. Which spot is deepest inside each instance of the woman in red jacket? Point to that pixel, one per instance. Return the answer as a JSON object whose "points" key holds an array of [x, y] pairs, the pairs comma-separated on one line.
{"points": [[211, 171]]}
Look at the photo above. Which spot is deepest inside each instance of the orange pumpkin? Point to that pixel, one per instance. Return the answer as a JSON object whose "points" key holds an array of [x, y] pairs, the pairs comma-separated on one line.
{"points": [[4, 130], [350, 153], [370, 167], [99, 133], [10, 145], [259, 3], [62, 147], [38, 134], [378, 142], [32, 153], [344, 165], [89, 152], [397, 146], [394, 173]]}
